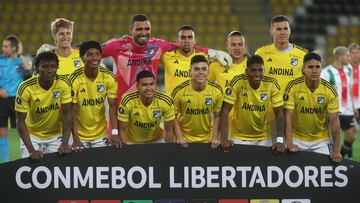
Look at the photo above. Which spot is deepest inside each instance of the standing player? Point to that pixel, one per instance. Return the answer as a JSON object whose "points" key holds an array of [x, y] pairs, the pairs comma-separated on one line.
{"points": [[140, 52], [355, 63], [69, 58], [282, 59], [251, 95], [223, 75], [339, 75], [12, 67], [311, 104], [197, 105], [177, 62], [42, 102], [91, 85], [140, 113]]}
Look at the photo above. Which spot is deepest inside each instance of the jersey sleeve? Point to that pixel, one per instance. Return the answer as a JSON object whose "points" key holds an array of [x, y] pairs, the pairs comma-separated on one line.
{"points": [[219, 101], [110, 47], [22, 101], [333, 106], [169, 113], [276, 97], [111, 87], [289, 99], [177, 102], [65, 93], [212, 71], [230, 93], [165, 45], [74, 90], [124, 112]]}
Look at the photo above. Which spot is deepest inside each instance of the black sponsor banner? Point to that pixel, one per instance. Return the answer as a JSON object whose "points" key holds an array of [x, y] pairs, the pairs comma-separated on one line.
{"points": [[168, 171]]}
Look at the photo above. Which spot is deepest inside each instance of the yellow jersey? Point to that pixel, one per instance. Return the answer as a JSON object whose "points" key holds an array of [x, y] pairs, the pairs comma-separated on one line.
{"points": [[43, 107], [284, 67], [177, 68], [89, 97], [144, 121], [223, 75], [67, 65], [195, 110], [251, 107], [310, 109]]}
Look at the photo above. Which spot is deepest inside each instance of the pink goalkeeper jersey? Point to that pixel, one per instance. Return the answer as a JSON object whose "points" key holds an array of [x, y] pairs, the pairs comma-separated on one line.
{"points": [[130, 59]]}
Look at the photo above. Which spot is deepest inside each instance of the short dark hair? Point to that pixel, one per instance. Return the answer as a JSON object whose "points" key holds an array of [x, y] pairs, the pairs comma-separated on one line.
{"points": [[47, 56], [139, 17], [198, 59], [279, 18], [85, 46], [14, 41], [235, 33], [144, 74], [312, 56], [254, 59], [186, 27]]}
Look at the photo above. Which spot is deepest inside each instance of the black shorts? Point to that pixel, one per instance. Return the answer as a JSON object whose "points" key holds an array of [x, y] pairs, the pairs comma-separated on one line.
{"points": [[346, 122], [7, 109]]}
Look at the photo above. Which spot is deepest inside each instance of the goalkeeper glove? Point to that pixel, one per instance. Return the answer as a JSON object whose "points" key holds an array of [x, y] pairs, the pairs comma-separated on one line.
{"points": [[221, 56]]}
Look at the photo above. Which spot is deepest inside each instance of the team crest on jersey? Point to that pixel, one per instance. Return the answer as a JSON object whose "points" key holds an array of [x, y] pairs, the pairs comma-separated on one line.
{"points": [[321, 100], [156, 113], [151, 50], [294, 61], [208, 101], [18, 100], [228, 91], [264, 97], [77, 63], [56, 94], [121, 110], [100, 88]]}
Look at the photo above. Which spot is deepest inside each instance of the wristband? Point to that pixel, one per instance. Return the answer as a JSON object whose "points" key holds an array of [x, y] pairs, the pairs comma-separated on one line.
{"points": [[280, 140], [114, 132]]}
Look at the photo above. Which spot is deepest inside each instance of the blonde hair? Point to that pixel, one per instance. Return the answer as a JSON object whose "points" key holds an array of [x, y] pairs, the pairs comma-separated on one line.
{"points": [[61, 22]]}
